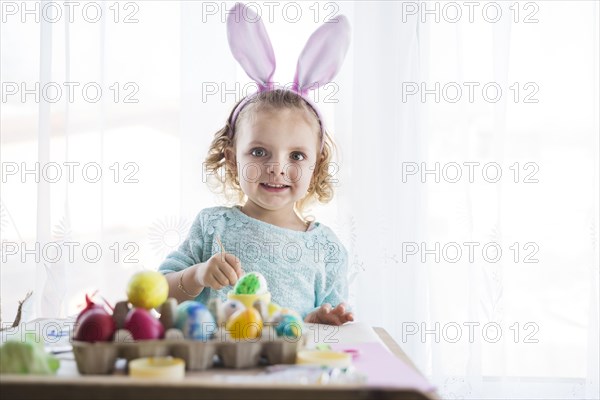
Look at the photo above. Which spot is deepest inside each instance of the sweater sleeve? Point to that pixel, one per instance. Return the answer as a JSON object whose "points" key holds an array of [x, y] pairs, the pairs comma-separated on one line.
{"points": [[189, 252], [335, 290]]}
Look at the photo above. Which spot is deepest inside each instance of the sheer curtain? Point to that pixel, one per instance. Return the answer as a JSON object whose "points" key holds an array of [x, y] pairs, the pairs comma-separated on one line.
{"points": [[522, 323]]}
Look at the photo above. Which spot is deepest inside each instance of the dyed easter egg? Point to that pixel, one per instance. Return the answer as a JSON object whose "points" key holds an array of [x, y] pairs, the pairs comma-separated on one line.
{"points": [[147, 289], [272, 312], [273, 308], [142, 325], [195, 320], [229, 308], [245, 324], [251, 283], [289, 326]]}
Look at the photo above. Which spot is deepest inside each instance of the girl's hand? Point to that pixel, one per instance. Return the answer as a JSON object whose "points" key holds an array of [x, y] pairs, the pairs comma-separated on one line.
{"points": [[326, 315], [221, 270]]}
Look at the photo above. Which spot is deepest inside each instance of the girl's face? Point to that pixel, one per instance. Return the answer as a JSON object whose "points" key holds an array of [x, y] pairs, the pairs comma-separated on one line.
{"points": [[276, 152]]}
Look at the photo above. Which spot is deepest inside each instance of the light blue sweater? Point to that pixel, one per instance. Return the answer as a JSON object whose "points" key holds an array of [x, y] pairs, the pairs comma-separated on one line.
{"points": [[303, 269]]}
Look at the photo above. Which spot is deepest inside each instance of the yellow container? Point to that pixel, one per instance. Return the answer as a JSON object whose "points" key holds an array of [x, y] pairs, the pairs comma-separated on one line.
{"points": [[249, 299], [157, 368], [324, 358]]}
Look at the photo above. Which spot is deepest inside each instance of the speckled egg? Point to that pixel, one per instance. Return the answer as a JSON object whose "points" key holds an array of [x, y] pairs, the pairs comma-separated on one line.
{"points": [[251, 283], [195, 321], [228, 308], [289, 326]]}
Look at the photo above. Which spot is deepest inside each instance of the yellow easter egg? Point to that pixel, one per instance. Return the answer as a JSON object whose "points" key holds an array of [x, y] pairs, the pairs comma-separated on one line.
{"points": [[245, 324], [147, 289], [272, 308]]}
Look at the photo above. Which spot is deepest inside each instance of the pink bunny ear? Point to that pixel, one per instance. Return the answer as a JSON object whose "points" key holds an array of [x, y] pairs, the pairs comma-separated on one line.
{"points": [[250, 44], [322, 55]]}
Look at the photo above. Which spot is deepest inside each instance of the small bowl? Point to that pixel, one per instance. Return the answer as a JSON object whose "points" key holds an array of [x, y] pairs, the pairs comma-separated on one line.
{"points": [[324, 358], [248, 300], [157, 368]]}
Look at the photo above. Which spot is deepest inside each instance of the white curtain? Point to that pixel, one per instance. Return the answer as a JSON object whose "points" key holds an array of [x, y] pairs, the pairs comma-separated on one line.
{"points": [[528, 316], [522, 323]]}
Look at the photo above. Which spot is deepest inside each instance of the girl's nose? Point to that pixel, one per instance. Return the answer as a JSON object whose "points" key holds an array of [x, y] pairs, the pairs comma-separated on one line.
{"points": [[276, 166]]}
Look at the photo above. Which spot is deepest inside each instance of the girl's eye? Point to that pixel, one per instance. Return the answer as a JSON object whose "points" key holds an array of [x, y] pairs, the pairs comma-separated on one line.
{"points": [[298, 156], [258, 152]]}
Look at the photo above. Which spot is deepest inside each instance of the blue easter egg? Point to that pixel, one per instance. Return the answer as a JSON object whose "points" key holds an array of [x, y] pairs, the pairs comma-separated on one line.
{"points": [[195, 321], [289, 326]]}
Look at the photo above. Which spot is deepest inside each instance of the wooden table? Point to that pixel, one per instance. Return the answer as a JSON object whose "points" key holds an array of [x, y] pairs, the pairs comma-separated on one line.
{"points": [[68, 384]]}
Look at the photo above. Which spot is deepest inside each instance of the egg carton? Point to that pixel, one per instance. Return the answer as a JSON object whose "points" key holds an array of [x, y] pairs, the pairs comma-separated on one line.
{"points": [[100, 357]]}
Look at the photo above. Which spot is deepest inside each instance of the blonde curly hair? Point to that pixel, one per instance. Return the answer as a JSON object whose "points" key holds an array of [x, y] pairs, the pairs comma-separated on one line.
{"points": [[222, 173]]}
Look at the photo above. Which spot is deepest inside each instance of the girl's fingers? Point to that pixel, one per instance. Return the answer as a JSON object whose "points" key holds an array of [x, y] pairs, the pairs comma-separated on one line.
{"points": [[232, 260], [312, 318], [340, 309], [235, 264], [239, 272], [212, 283], [220, 278], [328, 316], [334, 319], [347, 317], [325, 308], [340, 318], [229, 273]]}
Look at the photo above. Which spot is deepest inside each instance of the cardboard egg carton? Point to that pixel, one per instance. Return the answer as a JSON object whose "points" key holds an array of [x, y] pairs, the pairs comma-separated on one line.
{"points": [[101, 357]]}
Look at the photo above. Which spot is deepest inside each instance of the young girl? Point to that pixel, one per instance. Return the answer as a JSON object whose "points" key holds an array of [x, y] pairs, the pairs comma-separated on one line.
{"points": [[274, 155]]}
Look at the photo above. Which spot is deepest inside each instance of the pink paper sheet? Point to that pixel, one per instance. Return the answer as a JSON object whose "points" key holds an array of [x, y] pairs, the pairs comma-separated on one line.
{"points": [[383, 368]]}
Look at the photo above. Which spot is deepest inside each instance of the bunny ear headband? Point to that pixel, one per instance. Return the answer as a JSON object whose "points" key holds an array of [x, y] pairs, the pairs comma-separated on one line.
{"points": [[318, 63]]}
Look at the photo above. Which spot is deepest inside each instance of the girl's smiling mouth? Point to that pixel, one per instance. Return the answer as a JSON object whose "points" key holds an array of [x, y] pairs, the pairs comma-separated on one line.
{"points": [[273, 187]]}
